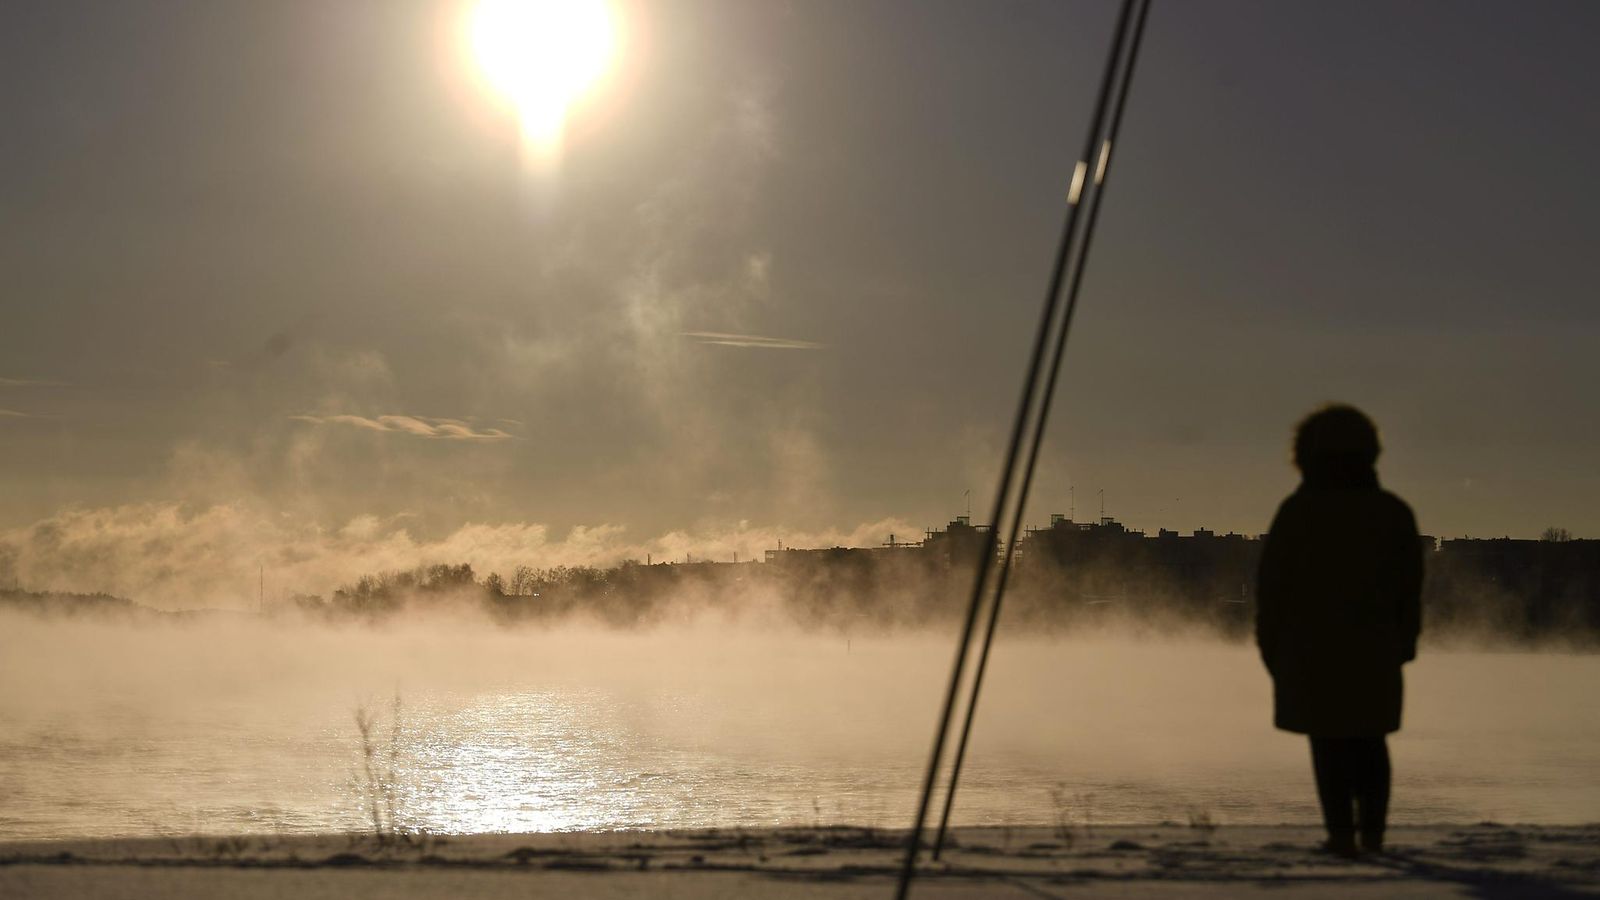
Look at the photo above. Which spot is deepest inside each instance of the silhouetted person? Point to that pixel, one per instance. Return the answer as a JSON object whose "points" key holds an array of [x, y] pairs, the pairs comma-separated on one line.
{"points": [[1339, 610]]}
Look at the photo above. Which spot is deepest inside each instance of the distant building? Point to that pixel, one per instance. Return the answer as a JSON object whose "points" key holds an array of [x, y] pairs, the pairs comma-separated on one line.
{"points": [[1500, 587], [1203, 576], [1514, 588], [961, 543]]}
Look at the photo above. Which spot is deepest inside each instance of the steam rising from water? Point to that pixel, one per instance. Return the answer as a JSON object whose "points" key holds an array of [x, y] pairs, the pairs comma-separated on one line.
{"points": [[235, 725], [171, 556]]}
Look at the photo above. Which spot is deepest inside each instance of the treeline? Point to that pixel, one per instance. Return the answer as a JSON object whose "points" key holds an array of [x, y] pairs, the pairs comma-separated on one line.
{"points": [[1553, 597], [1492, 591], [530, 593], [843, 590], [64, 604]]}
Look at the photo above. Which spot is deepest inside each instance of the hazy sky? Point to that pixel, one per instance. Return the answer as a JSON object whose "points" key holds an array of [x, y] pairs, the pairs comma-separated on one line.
{"points": [[278, 286]]}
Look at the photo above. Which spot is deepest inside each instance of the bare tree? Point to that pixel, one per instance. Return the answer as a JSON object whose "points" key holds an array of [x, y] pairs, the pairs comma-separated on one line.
{"points": [[522, 581], [1555, 535]]}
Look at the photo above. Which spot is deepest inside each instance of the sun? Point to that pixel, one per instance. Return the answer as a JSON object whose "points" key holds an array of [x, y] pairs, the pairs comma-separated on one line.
{"points": [[541, 56]]}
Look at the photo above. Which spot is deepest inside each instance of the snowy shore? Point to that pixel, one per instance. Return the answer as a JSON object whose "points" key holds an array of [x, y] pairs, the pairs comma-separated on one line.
{"points": [[1485, 860]]}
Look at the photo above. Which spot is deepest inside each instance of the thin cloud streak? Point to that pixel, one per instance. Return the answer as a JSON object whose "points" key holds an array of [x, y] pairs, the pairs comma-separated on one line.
{"points": [[420, 426], [30, 382], [725, 339], [13, 414]]}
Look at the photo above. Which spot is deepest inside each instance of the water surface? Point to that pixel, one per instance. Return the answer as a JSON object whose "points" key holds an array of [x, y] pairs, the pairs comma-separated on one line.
{"points": [[244, 727]]}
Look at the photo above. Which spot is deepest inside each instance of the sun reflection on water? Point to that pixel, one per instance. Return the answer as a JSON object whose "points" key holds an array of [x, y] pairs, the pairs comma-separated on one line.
{"points": [[523, 761]]}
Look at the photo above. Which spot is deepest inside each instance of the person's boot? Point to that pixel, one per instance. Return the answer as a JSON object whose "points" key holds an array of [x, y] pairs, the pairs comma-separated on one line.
{"points": [[1372, 808], [1342, 843]]}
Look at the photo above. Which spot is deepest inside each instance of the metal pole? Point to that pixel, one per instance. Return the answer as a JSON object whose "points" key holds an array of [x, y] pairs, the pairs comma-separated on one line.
{"points": [[1030, 387], [1093, 202]]}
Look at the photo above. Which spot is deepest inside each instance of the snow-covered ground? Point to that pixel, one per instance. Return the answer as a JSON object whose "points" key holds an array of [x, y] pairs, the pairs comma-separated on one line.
{"points": [[1485, 860]]}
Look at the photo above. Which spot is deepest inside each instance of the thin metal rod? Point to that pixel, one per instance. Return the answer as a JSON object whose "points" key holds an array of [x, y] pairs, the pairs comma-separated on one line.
{"points": [[1103, 170], [1019, 426]]}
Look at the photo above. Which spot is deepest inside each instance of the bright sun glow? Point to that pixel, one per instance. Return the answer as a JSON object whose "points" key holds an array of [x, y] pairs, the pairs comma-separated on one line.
{"points": [[541, 55]]}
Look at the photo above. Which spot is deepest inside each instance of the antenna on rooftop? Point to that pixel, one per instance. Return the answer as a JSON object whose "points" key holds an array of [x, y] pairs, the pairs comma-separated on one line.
{"points": [[1072, 503], [968, 494], [1102, 506]]}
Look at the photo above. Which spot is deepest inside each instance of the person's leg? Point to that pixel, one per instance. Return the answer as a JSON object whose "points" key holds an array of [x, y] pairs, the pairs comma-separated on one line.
{"points": [[1330, 760], [1373, 775]]}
